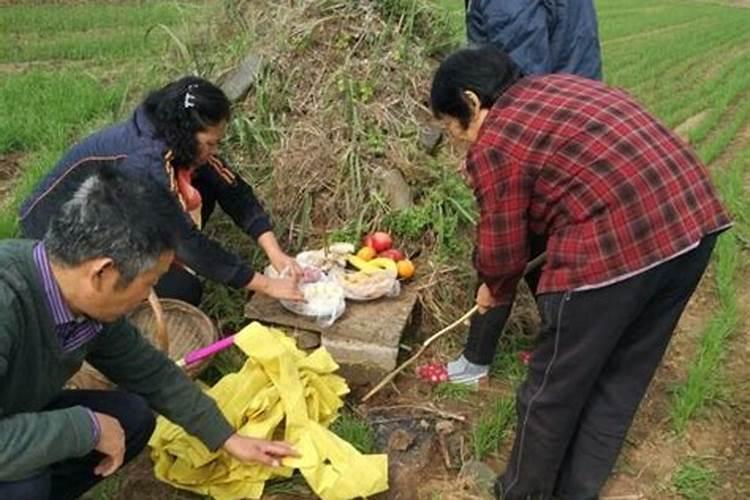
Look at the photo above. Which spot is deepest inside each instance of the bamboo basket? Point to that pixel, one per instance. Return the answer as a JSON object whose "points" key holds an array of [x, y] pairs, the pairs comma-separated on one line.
{"points": [[173, 326]]}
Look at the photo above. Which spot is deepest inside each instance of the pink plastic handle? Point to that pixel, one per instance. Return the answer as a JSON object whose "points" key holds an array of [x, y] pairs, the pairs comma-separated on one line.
{"points": [[204, 352]]}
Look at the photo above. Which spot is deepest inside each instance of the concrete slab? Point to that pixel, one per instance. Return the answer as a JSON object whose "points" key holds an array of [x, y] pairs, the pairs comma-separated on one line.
{"points": [[364, 341]]}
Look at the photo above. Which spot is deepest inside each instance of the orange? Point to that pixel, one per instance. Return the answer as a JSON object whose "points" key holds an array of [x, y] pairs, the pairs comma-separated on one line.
{"points": [[367, 253], [405, 268]]}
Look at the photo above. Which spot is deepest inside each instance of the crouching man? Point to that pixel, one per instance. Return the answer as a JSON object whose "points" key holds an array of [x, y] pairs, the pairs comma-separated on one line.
{"points": [[62, 301]]}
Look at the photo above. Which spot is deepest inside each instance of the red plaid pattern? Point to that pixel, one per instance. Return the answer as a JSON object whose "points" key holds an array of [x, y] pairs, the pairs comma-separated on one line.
{"points": [[613, 190]]}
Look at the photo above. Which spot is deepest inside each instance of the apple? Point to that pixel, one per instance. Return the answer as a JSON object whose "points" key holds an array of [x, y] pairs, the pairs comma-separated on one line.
{"points": [[381, 241], [393, 254], [367, 241]]}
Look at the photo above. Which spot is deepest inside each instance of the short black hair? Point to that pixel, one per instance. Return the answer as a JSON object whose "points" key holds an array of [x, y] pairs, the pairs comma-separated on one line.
{"points": [[182, 108], [484, 69], [113, 214]]}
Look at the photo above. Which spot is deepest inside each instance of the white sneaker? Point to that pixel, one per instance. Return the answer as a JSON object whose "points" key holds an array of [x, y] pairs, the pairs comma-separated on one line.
{"points": [[462, 371]]}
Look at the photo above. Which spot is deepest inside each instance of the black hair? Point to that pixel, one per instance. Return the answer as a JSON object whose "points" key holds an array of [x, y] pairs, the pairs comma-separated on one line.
{"points": [[485, 70], [115, 215], [181, 109]]}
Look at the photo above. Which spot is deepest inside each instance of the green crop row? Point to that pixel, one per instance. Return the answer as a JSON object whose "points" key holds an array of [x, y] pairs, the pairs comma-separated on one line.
{"points": [[107, 44], [59, 18]]}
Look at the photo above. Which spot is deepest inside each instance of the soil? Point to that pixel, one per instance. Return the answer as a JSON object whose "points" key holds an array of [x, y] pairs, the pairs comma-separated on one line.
{"points": [[651, 455]]}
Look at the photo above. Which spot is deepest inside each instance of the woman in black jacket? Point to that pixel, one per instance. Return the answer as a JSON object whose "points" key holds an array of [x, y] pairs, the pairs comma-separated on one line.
{"points": [[173, 139]]}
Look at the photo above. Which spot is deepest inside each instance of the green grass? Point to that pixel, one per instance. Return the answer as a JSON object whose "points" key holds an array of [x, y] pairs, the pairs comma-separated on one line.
{"points": [[42, 109], [507, 365], [58, 18], [47, 107], [454, 10], [704, 382], [492, 427], [452, 392], [356, 431], [436, 28], [444, 206], [100, 45], [695, 481]]}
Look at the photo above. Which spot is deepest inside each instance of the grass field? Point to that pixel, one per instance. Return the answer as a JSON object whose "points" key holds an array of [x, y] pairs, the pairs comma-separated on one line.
{"points": [[69, 68]]}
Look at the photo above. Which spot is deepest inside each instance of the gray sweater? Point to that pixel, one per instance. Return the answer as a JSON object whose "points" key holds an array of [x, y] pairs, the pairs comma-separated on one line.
{"points": [[34, 368]]}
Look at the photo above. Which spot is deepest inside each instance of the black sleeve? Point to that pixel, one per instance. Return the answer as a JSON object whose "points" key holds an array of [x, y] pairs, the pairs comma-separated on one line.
{"points": [[208, 258], [235, 196]]}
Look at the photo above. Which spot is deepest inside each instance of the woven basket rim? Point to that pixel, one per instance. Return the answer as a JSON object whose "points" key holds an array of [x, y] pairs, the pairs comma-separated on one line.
{"points": [[203, 325], [175, 304], [168, 305]]}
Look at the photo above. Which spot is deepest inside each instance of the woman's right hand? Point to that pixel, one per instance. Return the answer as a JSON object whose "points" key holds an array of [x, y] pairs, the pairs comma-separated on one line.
{"points": [[277, 288]]}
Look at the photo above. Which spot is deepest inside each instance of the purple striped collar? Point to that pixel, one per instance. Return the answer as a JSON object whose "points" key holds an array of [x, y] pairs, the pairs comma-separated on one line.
{"points": [[71, 330]]}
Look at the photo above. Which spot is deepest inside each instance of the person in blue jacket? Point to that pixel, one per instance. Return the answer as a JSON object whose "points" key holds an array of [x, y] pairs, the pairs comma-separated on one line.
{"points": [[172, 139], [541, 36]]}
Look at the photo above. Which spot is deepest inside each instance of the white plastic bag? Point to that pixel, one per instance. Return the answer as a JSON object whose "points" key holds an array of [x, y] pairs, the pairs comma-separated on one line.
{"points": [[361, 287], [324, 299]]}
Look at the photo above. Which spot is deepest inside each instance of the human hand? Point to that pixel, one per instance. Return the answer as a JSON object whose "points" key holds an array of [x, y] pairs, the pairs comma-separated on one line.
{"points": [[282, 262], [247, 449], [484, 299], [111, 444], [277, 288]]}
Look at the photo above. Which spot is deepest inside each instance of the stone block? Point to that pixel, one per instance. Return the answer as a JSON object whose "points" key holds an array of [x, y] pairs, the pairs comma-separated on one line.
{"points": [[364, 340], [237, 82]]}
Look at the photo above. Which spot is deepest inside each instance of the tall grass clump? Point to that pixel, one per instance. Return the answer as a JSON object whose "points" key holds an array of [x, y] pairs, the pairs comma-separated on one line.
{"points": [[704, 382]]}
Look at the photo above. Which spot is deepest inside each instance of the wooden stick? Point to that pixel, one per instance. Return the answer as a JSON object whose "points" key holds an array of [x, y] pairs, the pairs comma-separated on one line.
{"points": [[419, 352], [533, 264], [427, 409], [444, 451]]}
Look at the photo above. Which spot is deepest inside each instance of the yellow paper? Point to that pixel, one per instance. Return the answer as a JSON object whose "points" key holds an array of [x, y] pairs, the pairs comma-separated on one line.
{"points": [[278, 384]]}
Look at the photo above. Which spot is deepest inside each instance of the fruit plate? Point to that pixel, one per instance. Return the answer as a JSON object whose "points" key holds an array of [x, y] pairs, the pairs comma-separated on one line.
{"points": [[362, 287]]}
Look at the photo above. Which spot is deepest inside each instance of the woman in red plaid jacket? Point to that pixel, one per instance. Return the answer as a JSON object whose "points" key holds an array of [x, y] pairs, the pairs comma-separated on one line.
{"points": [[630, 218]]}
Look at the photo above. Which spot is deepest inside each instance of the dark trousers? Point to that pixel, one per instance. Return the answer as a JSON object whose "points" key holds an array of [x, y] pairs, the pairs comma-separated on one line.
{"points": [[177, 283], [71, 478], [487, 328], [596, 356]]}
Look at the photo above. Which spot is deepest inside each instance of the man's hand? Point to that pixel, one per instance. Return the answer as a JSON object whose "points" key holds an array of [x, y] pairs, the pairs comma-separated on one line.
{"points": [[247, 449], [111, 443], [484, 299]]}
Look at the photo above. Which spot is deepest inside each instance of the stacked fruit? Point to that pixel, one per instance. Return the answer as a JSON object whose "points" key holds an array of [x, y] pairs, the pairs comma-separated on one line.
{"points": [[377, 250]]}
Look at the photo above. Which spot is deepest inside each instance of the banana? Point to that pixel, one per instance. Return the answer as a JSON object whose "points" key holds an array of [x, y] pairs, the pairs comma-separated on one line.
{"points": [[362, 264], [385, 264]]}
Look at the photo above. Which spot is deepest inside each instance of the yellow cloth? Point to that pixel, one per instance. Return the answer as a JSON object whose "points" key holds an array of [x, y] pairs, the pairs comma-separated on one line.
{"points": [[278, 383]]}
